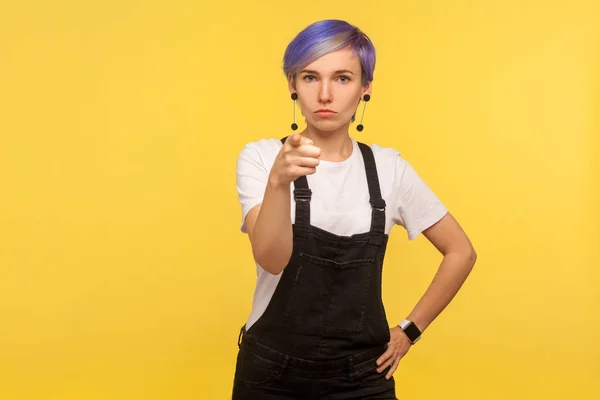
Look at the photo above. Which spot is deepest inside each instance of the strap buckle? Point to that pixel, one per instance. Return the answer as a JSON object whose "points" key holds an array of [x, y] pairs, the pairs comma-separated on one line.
{"points": [[302, 194], [378, 204]]}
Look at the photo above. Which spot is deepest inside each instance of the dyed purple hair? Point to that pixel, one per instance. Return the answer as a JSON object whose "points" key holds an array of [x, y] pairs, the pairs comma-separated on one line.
{"points": [[324, 37]]}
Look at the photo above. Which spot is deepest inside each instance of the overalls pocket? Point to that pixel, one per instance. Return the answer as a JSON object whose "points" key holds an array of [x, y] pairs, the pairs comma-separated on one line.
{"points": [[328, 296], [255, 370]]}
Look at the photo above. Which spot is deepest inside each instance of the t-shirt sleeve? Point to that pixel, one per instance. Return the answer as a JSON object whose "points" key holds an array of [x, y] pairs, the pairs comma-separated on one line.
{"points": [[416, 206], [251, 180]]}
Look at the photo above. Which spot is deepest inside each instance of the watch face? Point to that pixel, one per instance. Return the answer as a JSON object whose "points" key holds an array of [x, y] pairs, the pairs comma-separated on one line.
{"points": [[412, 332]]}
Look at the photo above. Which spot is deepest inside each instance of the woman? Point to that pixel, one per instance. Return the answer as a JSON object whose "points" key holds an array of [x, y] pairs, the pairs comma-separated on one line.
{"points": [[318, 208]]}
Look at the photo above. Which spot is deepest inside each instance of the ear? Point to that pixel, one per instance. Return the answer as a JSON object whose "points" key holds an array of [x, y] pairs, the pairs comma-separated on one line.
{"points": [[367, 89], [292, 83]]}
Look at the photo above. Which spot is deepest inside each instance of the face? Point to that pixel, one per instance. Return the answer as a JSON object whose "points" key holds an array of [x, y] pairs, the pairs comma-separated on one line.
{"points": [[329, 89]]}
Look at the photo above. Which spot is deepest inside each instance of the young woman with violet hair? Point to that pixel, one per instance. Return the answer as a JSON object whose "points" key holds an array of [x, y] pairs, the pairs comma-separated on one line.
{"points": [[318, 207]]}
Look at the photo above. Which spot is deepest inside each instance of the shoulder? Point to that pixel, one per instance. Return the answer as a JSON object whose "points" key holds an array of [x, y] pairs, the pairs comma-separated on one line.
{"points": [[386, 157], [383, 152], [262, 151], [264, 145]]}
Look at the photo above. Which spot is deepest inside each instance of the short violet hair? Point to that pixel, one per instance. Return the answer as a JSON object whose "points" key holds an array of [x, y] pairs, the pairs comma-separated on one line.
{"points": [[324, 37]]}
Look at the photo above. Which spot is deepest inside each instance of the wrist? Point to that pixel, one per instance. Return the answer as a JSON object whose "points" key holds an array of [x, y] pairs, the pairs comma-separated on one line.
{"points": [[276, 184], [411, 330]]}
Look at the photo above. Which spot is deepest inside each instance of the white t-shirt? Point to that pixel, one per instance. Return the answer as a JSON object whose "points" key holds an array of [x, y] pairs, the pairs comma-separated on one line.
{"points": [[340, 199]]}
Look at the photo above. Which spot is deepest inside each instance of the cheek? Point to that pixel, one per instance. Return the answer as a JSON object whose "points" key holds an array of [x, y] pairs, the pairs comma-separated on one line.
{"points": [[303, 106], [351, 100], [350, 105]]}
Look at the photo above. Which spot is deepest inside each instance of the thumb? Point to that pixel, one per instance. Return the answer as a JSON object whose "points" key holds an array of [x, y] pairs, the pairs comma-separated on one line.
{"points": [[305, 140]]}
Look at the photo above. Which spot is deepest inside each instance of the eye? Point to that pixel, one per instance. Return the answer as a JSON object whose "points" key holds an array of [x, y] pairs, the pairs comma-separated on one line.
{"points": [[308, 78], [344, 79]]}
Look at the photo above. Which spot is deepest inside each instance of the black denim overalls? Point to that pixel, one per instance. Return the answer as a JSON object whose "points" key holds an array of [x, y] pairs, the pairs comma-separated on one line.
{"points": [[325, 326]]}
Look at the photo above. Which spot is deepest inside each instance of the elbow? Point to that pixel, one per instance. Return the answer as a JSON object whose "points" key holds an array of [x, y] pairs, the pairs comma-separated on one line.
{"points": [[269, 264], [465, 258], [272, 256], [466, 255], [273, 269], [472, 257]]}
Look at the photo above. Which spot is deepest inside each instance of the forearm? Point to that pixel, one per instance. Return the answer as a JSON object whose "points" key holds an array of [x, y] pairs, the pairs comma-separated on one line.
{"points": [[272, 238], [451, 275]]}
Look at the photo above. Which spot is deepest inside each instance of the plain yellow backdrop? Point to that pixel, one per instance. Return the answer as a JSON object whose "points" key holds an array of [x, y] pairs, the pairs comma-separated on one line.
{"points": [[123, 273]]}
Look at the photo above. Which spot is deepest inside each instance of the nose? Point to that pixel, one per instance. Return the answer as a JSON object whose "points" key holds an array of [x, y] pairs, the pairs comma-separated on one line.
{"points": [[325, 95]]}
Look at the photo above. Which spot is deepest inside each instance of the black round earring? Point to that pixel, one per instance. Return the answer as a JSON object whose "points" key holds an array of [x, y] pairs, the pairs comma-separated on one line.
{"points": [[294, 125], [360, 126]]}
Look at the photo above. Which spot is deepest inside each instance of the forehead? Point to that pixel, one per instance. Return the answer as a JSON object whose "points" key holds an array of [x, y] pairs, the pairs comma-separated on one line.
{"points": [[336, 60]]}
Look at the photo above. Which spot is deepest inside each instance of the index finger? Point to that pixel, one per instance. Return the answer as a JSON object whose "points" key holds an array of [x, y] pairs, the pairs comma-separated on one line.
{"points": [[294, 140], [385, 356]]}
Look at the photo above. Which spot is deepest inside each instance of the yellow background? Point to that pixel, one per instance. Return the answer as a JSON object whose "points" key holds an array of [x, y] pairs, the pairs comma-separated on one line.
{"points": [[123, 273]]}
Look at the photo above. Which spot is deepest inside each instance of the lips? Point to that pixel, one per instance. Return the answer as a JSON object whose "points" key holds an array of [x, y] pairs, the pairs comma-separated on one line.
{"points": [[325, 113]]}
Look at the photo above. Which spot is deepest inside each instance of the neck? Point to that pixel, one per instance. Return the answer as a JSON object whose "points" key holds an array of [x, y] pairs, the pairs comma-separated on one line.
{"points": [[335, 145]]}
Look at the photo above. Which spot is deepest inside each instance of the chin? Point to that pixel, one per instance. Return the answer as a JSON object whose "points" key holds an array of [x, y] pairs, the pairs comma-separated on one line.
{"points": [[327, 125]]}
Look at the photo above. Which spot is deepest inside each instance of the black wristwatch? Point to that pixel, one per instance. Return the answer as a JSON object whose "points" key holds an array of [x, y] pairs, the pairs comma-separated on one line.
{"points": [[410, 329]]}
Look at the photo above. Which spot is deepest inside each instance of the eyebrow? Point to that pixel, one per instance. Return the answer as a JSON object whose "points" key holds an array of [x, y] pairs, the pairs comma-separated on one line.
{"points": [[339, 71]]}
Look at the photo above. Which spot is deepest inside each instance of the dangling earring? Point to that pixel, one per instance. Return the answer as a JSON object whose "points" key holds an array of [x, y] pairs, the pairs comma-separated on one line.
{"points": [[294, 125], [360, 126]]}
